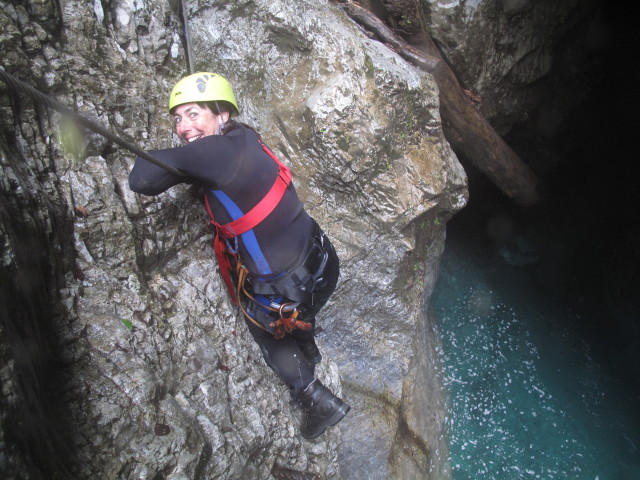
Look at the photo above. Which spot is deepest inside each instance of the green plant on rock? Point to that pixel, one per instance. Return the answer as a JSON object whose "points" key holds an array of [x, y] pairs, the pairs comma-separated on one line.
{"points": [[70, 138]]}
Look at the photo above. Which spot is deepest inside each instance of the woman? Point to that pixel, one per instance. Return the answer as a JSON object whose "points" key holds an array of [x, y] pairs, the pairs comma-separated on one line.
{"points": [[276, 262]]}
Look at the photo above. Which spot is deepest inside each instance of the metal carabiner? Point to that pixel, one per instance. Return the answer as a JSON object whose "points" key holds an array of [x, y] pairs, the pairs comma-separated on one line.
{"points": [[284, 307]]}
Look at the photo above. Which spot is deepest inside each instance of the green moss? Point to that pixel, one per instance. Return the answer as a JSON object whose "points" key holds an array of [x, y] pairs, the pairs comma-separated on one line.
{"points": [[127, 323], [71, 139]]}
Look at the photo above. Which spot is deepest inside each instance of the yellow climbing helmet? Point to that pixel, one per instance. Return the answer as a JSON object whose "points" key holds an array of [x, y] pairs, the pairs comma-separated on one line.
{"points": [[202, 87]]}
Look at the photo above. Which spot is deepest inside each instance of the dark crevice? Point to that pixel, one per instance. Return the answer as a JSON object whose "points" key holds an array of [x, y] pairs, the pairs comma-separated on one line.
{"points": [[36, 422], [184, 33]]}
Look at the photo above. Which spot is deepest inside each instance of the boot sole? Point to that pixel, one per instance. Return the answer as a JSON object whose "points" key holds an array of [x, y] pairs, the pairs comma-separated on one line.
{"points": [[338, 415]]}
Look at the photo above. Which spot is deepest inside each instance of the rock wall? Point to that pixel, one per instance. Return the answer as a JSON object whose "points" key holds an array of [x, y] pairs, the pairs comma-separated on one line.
{"points": [[120, 349]]}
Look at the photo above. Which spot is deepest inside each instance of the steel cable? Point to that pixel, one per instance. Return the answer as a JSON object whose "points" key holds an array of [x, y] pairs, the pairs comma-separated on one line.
{"points": [[46, 100]]}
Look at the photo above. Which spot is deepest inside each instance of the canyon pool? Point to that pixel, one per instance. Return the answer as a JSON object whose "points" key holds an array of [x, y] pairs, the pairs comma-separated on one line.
{"points": [[533, 391]]}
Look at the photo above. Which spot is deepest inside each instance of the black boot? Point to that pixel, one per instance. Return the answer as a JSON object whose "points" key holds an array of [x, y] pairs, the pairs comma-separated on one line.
{"points": [[311, 352], [322, 409]]}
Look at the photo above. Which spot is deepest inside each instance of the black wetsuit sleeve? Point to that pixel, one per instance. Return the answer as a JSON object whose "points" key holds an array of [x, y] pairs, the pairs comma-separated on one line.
{"points": [[150, 179], [204, 161]]}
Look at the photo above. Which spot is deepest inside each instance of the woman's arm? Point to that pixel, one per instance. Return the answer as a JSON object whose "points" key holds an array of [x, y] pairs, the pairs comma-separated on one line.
{"points": [[211, 161], [149, 179]]}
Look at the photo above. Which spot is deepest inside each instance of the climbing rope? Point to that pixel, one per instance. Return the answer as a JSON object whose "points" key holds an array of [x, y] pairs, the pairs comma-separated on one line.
{"points": [[46, 100]]}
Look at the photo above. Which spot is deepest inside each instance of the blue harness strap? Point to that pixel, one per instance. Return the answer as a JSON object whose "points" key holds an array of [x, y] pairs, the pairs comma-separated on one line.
{"points": [[249, 237]]}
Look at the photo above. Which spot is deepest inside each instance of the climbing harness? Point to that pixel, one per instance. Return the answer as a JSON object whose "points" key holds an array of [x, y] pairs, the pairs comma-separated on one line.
{"points": [[297, 286], [46, 100], [244, 223], [288, 312]]}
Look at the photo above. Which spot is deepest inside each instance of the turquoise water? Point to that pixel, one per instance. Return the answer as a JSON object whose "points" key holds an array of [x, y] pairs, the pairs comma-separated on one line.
{"points": [[530, 395]]}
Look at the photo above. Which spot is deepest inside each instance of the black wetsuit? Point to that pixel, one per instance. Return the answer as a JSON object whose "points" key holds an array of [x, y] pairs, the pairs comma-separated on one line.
{"points": [[237, 173]]}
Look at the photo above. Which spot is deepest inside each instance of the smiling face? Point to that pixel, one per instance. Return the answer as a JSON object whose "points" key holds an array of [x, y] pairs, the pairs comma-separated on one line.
{"points": [[193, 121]]}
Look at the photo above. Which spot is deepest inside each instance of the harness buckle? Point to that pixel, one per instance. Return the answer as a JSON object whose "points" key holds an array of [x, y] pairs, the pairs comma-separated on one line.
{"points": [[288, 323]]}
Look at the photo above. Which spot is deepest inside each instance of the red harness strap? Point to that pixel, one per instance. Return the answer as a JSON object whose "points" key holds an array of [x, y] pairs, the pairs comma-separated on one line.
{"points": [[245, 223]]}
